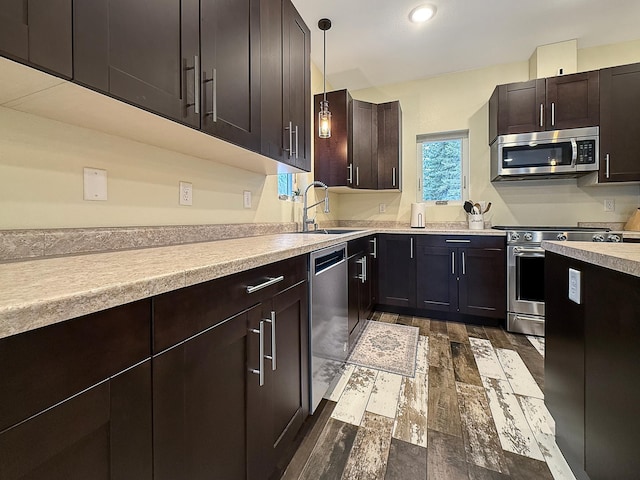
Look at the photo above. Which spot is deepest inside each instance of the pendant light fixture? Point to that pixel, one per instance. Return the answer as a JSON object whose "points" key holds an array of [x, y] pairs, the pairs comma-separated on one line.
{"points": [[324, 115]]}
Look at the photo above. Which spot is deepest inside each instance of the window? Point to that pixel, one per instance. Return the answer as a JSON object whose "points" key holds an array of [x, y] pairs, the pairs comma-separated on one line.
{"points": [[442, 167], [287, 186]]}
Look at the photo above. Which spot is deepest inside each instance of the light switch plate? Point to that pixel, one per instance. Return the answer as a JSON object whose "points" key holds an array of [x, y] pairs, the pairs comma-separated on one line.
{"points": [[574, 286], [95, 184]]}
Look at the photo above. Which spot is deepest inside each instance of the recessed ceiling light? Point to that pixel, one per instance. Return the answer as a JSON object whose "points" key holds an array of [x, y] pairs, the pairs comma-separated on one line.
{"points": [[422, 13]]}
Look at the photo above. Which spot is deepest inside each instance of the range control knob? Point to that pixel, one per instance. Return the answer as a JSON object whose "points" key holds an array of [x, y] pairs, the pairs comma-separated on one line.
{"points": [[614, 238], [562, 237], [528, 236], [515, 236], [598, 237]]}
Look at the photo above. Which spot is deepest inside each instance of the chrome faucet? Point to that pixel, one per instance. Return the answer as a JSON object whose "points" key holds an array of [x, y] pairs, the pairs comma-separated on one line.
{"points": [[306, 221]]}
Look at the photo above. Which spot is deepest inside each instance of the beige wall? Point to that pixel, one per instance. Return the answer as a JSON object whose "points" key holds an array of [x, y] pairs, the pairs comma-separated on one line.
{"points": [[41, 179], [459, 101]]}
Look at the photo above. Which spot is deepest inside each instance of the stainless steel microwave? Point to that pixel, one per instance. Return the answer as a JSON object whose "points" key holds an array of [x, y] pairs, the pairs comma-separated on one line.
{"points": [[558, 153]]}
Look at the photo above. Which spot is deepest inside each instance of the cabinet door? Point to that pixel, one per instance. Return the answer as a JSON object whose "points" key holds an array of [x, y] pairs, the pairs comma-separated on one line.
{"points": [[389, 145], [482, 289], [612, 310], [203, 395], [296, 85], [437, 282], [102, 433], [619, 124], [230, 48], [397, 270], [520, 107], [286, 392], [354, 267], [331, 155], [573, 101], [141, 51], [38, 33], [364, 145]]}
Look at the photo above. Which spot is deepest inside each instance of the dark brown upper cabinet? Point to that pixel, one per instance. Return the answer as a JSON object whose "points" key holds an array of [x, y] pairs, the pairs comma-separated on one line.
{"points": [[285, 84], [619, 124], [38, 33], [364, 149], [145, 54], [555, 103], [229, 79]]}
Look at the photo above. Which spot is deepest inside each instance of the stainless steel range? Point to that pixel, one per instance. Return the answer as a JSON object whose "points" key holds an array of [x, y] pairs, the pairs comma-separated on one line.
{"points": [[525, 270]]}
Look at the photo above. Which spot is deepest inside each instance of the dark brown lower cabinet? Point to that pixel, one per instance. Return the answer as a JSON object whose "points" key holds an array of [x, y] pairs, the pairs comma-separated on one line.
{"points": [[229, 399], [397, 270], [361, 271], [456, 275], [76, 398], [591, 364]]}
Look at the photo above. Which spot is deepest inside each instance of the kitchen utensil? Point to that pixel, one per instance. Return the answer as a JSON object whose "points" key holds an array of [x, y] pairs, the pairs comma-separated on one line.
{"points": [[477, 208], [488, 208], [468, 206]]}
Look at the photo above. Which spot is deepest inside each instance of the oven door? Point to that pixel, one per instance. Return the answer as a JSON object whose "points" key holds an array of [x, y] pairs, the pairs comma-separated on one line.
{"points": [[525, 279]]}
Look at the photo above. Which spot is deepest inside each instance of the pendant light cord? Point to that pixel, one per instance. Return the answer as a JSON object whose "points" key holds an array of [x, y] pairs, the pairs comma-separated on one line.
{"points": [[324, 65]]}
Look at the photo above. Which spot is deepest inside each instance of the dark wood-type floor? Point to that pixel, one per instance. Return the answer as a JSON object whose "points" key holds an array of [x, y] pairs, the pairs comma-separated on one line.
{"points": [[486, 419]]}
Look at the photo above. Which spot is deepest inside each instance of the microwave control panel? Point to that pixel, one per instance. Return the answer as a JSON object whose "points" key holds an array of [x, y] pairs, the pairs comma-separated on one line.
{"points": [[586, 151]]}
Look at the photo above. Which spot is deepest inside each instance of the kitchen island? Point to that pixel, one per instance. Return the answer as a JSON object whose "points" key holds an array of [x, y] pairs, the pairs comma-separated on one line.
{"points": [[592, 351]]}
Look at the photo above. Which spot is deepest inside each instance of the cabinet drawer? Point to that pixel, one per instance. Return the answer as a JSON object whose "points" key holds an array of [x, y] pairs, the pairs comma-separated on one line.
{"points": [[45, 366], [452, 241], [179, 314]]}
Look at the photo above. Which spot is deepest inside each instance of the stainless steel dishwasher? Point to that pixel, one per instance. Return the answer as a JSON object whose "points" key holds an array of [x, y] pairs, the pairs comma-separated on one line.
{"points": [[328, 317]]}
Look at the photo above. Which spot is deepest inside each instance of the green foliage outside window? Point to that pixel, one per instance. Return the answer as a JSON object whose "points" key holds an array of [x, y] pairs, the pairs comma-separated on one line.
{"points": [[442, 170]]}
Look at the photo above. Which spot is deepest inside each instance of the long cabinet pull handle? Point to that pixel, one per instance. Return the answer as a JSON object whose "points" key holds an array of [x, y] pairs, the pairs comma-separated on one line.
{"points": [[268, 283], [411, 240], [296, 142], [363, 271], [260, 370], [541, 115], [215, 95], [393, 174], [553, 114], [358, 176], [457, 241], [196, 84], [350, 177], [464, 265], [374, 241], [272, 357], [290, 149], [453, 263], [607, 171]]}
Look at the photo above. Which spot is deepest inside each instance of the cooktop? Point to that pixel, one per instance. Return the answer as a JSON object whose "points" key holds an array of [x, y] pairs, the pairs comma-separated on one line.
{"points": [[551, 229]]}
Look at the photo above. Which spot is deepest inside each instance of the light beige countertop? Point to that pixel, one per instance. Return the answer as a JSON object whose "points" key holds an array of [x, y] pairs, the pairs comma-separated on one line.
{"points": [[621, 257], [35, 293]]}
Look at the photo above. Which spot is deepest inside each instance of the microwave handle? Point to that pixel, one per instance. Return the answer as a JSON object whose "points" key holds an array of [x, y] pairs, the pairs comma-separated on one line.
{"points": [[574, 151]]}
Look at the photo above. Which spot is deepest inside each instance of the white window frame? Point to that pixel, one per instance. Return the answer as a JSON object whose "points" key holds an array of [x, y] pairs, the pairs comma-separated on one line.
{"points": [[464, 180]]}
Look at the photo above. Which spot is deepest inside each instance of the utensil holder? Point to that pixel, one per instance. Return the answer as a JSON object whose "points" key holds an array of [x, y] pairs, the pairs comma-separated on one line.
{"points": [[476, 222]]}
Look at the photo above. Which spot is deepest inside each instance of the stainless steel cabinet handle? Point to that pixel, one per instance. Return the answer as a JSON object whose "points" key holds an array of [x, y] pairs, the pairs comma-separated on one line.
{"points": [[453, 263], [196, 83], [296, 142], [393, 173], [260, 370], [411, 239], [268, 283], [541, 115], [607, 171], [457, 241], [358, 176], [272, 357], [374, 254], [290, 149], [363, 270], [213, 113], [464, 265], [553, 114], [350, 177]]}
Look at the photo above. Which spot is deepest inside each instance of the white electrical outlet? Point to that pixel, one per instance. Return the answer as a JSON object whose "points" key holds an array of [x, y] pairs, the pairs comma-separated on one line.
{"points": [[95, 184], [383, 207], [574, 286], [609, 204], [186, 193], [246, 199]]}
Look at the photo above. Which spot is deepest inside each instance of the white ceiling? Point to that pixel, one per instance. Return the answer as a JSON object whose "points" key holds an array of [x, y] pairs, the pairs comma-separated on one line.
{"points": [[372, 42]]}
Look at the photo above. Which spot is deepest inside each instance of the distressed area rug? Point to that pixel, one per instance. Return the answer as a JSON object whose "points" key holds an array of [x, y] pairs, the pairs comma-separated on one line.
{"points": [[388, 347]]}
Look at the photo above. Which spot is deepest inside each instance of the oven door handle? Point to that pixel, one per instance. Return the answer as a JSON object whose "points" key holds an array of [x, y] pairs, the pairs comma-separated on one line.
{"points": [[528, 252]]}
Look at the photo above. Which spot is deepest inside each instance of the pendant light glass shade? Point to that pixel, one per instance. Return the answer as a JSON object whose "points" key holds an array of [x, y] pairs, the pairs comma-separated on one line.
{"points": [[324, 115], [324, 120]]}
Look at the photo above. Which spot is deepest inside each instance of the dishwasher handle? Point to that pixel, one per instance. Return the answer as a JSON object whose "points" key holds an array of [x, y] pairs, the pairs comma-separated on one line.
{"points": [[325, 262]]}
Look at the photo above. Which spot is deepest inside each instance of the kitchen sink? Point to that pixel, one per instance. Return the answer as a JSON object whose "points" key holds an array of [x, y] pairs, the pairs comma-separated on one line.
{"points": [[328, 231]]}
